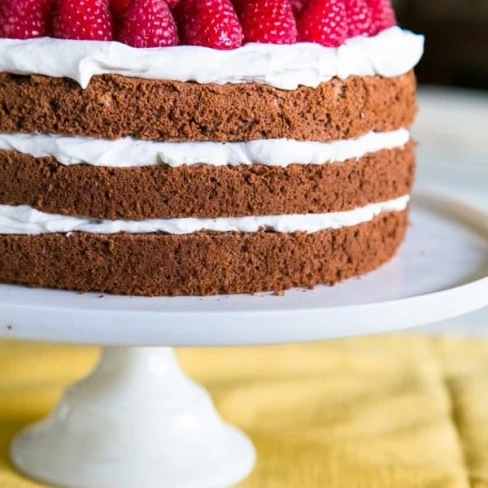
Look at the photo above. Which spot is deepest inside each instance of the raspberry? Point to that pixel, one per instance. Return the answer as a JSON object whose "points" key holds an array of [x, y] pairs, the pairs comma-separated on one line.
{"points": [[383, 15], [359, 18], [83, 19], [268, 21], [210, 23], [148, 23], [25, 19], [323, 22]]}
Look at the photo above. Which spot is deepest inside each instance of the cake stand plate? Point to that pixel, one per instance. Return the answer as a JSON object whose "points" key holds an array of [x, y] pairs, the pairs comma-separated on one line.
{"points": [[138, 421]]}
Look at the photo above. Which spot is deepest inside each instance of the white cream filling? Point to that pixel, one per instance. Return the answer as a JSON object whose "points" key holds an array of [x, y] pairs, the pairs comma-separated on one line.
{"points": [[391, 53], [25, 220], [129, 152]]}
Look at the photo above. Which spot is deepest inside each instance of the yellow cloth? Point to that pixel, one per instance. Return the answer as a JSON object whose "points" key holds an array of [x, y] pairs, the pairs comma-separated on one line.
{"points": [[381, 412]]}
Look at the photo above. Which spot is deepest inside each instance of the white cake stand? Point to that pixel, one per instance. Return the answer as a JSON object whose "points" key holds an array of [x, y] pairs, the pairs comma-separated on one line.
{"points": [[137, 421]]}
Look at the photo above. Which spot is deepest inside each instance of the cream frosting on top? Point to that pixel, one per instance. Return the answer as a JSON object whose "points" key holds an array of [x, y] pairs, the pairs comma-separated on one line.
{"points": [[391, 53]]}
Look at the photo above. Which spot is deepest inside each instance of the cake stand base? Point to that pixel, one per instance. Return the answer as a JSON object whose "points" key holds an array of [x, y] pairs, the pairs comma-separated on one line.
{"points": [[135, 421]]}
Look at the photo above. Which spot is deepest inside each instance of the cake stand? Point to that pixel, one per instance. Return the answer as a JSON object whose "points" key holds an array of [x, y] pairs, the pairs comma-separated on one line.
{"points": [[138, 421]]}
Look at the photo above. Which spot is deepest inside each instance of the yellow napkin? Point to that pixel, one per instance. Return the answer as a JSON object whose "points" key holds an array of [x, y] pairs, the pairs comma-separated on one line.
{"points": [[381, 412]]}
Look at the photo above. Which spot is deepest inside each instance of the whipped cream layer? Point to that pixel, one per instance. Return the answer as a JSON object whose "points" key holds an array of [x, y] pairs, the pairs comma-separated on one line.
{"points": [[391, 53], [25, 220], [129, 152]]}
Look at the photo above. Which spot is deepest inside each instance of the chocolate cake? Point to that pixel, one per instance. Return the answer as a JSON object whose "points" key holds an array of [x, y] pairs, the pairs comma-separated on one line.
{"points": [[258, 160]]}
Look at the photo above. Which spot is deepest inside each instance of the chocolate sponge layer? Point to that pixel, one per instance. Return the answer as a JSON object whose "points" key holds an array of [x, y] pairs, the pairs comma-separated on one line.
{"points": [[204, 191], [115, 106], [199, 264]]}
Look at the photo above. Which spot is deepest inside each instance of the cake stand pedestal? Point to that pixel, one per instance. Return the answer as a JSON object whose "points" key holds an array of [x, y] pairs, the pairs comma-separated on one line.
{"points": [[138, 421]]}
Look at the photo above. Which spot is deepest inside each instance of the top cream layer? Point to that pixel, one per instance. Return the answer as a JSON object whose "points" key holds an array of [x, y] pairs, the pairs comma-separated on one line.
{"points": [[391, 53]]}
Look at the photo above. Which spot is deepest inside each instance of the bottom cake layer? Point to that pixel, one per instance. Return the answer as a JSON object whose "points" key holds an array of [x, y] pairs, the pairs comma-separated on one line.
{"points": [[204, 263]]}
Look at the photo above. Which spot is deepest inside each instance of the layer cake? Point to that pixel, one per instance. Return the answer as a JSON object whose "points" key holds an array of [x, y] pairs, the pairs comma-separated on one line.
{"points": [[195, 170]]}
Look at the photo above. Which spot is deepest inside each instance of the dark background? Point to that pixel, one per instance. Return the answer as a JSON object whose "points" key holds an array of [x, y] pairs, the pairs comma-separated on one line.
{"points": [[456, 40]]}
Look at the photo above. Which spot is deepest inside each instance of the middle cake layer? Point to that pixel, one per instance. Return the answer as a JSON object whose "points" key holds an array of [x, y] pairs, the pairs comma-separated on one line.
{"points": [[204, 191]]}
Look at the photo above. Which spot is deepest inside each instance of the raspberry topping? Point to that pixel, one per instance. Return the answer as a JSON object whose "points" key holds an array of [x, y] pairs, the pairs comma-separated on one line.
{"points": [[147, 23], [83, 19], [359, 18], [383, 15], [268, 21], [25, 19], [209, 23], [323, 22], [218, 24]]}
